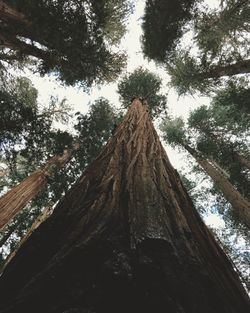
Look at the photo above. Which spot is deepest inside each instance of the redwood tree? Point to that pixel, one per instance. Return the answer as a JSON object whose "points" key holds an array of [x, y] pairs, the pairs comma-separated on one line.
{"points": [[19, 196], [125, 238]]}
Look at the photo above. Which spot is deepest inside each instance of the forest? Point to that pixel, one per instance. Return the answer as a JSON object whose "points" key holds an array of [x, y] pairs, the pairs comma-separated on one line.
{"points": [[124, 156]]}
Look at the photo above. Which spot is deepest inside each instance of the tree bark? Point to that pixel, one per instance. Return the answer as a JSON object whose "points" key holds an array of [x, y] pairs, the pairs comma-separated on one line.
{"points": [[10, 13], [19, 196], [7, 235], [125, 238], [40, 219], [240, 67], [219, 140], [231, 194], [245, 162]]}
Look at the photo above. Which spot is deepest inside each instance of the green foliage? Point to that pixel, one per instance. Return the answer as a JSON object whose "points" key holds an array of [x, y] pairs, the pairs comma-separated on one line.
{"points": [[216, 138], [187, 75], [224, 32], [220, 44], [162, 25], [143, 84], [94, 129], [231, 107], [26, 132], [232, 237], [72, 40], [174, 131], [16, 231]]}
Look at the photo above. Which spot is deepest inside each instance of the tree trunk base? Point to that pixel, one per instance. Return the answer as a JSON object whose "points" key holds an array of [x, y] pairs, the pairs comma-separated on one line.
{"points": [[110, 277]]}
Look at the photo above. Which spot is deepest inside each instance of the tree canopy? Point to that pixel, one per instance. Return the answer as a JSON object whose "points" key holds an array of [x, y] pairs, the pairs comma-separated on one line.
{"points": [[72, 40], [145, 85], [162, 25]]}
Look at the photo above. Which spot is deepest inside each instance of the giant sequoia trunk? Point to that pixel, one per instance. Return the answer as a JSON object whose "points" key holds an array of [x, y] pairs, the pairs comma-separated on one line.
{"points": [[125, 238], [19, 196], [231, 194]]}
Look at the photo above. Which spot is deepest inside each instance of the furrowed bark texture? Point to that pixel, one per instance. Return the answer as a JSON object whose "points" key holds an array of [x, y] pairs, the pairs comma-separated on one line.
{"points": [[240, 204], [19, 196], [125, 238]]}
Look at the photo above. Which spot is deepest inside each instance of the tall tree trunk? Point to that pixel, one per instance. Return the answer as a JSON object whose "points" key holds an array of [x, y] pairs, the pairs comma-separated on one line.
{"points": [[245, 162], [39, 220], [240, 67], [9, 40], [125, 238], [219, 140], [7, 235], [18, 197], [10, 13], [231, 194]]}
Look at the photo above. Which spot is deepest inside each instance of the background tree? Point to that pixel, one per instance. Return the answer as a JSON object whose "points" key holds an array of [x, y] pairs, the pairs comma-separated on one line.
{"points": [[190, 74], [145, 85], [92, 131], [221, 132], [162, 26], [224, 32], [232, 236], [72, 41], [177, 135], [220, 42], [126, 237]]}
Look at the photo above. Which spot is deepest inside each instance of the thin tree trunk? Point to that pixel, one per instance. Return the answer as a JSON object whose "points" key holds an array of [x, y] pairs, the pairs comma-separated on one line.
{"points": [[231, 194], [39, 220], [240, 67], [10, 13], [220, 141], [10, 41], [19, 196], [125, 238], [245, 162], [7, 235]]}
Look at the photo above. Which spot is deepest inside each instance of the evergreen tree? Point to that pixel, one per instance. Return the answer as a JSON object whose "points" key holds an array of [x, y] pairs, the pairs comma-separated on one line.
{"points": [[176, 134], [188, 74], [221, 137], [58, 174], [162, 26], [72, 40], [19, 196], [125, 238], [220, 42], [224, 32], [145, 85]]}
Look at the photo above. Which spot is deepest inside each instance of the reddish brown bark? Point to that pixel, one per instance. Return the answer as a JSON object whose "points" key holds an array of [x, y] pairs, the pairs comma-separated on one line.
{"points": [[231, 194], [125, 238], [19, 196]]}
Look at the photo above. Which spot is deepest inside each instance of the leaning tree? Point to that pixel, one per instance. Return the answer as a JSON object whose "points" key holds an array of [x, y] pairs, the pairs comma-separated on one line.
{"points": [[125, 238]]}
